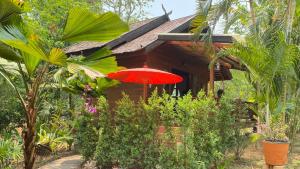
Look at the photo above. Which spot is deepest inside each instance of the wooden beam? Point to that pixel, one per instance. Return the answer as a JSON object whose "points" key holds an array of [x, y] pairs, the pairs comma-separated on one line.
{"points": [[222, 38]]}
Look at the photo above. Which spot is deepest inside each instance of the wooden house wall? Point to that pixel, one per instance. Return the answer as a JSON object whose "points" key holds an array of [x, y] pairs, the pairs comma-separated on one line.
{"points": [[161, 58], [135, 91], [171, 58]]}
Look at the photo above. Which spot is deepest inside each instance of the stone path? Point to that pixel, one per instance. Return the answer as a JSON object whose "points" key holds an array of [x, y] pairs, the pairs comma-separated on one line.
{"points": [[71, 162]]}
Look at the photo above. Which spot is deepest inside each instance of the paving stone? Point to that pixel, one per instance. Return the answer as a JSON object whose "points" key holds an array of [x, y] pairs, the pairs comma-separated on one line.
{"points": [[71, 162]]}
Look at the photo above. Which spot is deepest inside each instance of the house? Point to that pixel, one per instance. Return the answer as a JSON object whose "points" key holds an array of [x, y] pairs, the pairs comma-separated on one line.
{"points": [[167, 45]]}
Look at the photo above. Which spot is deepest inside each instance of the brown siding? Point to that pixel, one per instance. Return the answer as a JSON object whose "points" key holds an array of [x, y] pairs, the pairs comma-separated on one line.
{"points": [[165, 58], [135, 91]]}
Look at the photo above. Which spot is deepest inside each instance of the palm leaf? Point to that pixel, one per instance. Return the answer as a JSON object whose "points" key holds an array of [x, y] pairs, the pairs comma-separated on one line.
{"points": [[77, 67], [30, 62], [11, 68], [105, 83], [95, 65], [12, 37], [7, 53], [8, 12], [83, 25], [57, 57]]}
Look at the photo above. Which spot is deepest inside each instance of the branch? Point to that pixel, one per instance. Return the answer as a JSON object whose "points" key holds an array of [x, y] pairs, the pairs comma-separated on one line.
{"points": [[9, 80], [23, 76]]}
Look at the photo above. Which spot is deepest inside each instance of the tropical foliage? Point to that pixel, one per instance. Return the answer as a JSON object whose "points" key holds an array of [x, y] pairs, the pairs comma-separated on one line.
{"points": [[269, 51], [164, 133], [26, 49]]}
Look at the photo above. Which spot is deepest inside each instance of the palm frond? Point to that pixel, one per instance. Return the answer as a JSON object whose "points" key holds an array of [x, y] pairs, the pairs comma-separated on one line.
{"points": [[30, 62], [77, 67], [8, 53], [83, 25], [8, 10], [58, 57]]}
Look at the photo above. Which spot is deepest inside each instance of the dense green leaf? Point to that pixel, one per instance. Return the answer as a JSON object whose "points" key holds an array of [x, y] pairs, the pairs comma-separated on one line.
{"points": [[83, 25], [7, 53], [10, 68], [105, 66], [100, 54], [8, 10], [31, 62], [57, 57], [77, 67]]}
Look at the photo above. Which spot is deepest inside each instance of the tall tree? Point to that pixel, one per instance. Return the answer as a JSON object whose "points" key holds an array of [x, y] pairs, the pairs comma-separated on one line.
{"points": [[47, 17], [129, 10], [20, 45]]}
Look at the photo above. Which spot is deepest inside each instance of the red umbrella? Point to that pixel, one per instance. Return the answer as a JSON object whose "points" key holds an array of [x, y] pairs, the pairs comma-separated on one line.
{"points": [[145, 76]]}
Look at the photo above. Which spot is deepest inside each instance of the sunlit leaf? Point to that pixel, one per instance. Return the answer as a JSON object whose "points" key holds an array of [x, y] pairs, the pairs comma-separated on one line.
{"points": [[83, 25], [105, 83], [31, 62], [77, 67], [58, 57]]}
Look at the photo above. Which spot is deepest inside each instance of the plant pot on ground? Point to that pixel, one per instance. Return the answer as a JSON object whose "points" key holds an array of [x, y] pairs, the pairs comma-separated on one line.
{"points": [[276, 145]]}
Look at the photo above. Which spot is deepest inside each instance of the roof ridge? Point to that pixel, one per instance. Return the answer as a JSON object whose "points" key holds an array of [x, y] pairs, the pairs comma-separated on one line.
{"points": [[133, 34]]}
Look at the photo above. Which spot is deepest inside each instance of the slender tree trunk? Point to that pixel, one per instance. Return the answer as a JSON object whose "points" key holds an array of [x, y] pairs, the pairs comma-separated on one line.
{"points": [[252, 12], [71, 103], [29, 134], [212, 80], [29, 138]]}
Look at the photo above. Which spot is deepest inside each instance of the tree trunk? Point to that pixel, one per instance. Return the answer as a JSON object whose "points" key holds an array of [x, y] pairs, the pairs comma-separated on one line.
{"points": [[212, 80], [29, 136], [253, 17]]}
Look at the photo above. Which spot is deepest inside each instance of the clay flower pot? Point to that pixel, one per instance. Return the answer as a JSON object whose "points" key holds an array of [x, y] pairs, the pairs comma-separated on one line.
{"points": [[276, 153]]}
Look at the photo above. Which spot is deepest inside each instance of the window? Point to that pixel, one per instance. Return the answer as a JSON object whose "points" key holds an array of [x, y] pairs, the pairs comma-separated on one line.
{"points": [[182, 88]]}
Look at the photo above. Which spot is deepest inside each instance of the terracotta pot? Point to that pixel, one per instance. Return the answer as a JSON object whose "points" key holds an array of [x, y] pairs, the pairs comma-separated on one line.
{"points": [[275, 153]]}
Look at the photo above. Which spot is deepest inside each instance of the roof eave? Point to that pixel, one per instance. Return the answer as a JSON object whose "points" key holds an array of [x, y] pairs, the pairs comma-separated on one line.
{"points": [[218, 38]]}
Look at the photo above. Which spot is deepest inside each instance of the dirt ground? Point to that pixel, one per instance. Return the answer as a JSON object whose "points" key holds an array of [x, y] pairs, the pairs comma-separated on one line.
{"points": [[253, 158]]}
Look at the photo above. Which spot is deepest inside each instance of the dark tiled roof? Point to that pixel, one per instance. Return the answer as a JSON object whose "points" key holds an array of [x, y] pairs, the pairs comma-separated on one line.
{"points": [[151, 36], [140, 23], [163, 25], [82, 46], [89, 45]]}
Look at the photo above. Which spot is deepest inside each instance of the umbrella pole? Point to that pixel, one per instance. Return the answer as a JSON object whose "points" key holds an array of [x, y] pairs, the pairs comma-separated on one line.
{"points": [[145, 91]]}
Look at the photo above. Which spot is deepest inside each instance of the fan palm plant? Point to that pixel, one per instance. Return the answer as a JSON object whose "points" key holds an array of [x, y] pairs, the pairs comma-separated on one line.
{"points": [[19, 45], [269, 60]]}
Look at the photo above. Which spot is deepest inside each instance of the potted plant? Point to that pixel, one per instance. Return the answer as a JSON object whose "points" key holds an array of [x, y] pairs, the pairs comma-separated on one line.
{"points": [[276, 144]]}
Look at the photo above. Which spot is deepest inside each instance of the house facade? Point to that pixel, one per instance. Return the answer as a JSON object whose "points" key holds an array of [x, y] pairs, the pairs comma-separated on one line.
{"points": [[167, 45]]}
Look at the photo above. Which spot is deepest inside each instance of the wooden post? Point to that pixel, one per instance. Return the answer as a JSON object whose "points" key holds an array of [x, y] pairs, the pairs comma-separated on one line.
{"points": [[212, 80], [145, 91]]}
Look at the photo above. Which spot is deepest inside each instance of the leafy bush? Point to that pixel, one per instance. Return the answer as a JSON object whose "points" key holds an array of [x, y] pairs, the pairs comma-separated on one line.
{"points": [[11, 113], [165, 133], [10, 151], [128, 138], [54, 136], [86, 135]]}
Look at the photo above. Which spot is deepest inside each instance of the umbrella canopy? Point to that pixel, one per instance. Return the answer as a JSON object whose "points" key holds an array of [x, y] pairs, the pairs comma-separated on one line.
{"points": [[145, 76]]}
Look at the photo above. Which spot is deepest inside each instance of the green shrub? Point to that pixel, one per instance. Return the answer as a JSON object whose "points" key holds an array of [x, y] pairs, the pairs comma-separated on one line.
{"points": [[10, 150], [86, 136], [126, 139], [197, 133]]}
